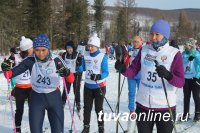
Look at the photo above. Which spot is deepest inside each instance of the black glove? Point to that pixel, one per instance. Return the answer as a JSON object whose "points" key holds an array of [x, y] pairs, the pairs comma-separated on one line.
{"points": [[6, 65], [120, 66], [191, 58], [63, 72], [95, 77], [79, 60], [163, 72]]}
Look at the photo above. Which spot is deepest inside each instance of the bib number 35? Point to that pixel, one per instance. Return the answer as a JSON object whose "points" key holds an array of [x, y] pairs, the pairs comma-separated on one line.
{"points": [[152, 76]]}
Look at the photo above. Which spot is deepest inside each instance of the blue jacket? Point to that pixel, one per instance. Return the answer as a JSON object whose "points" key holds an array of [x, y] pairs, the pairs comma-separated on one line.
{"points": [[111, 50], [104, 69], [195, 61]]}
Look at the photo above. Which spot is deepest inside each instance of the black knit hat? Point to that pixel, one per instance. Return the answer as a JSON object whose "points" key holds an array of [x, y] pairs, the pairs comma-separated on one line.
{"points": [[69, 44]]}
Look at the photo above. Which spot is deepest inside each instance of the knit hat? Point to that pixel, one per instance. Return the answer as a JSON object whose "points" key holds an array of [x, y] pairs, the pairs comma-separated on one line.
{"points": [[41, 41], [69, 44], [162, 27], [25, 43], [191, 42], [94, 40]]}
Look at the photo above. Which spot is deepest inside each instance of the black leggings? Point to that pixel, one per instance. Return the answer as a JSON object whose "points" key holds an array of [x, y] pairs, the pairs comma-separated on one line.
{"points": [[191, 87], [96, 96], [146, 124], [20, 96]]}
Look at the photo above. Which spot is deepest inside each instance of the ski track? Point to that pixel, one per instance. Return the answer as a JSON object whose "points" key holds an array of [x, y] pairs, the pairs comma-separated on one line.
{"points": [[111, 95]]}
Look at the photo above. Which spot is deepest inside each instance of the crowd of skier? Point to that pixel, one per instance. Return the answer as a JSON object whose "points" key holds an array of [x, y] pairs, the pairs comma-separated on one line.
{"points": [[155, 69]]}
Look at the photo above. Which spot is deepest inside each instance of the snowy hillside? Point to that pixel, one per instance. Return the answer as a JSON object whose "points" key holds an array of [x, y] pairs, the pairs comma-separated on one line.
{"points": [[111, 95]]}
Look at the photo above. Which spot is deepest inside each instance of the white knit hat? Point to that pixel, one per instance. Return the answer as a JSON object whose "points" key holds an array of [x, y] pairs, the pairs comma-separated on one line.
{"points": [[94, 40], [25, 43]]}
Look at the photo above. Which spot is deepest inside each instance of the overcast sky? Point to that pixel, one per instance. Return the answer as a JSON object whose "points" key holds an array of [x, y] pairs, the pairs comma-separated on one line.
{"points": [[162, 4]]}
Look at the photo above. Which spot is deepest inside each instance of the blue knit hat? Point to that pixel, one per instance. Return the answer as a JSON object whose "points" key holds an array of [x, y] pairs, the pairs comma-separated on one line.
{"points": [[41, 41], [162, 27]]}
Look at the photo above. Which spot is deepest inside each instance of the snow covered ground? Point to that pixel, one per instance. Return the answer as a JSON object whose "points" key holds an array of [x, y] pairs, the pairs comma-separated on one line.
{"points": [[111, 95]]}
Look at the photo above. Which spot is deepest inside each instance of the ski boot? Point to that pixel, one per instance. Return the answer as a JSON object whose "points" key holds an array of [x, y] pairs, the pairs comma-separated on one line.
{"points": [[18, 129], [197, 117], [86, 129]]}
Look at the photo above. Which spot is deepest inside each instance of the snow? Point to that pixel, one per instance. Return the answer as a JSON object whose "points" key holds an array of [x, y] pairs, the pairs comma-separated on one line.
{"points": [[111, 95]]}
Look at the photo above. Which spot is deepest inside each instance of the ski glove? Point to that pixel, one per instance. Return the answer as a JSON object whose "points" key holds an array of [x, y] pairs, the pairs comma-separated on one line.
{"points": [[191, 58], [120, 66], [5, 65], [63, 72], [79, 60], [163, 72], [95, 77]]}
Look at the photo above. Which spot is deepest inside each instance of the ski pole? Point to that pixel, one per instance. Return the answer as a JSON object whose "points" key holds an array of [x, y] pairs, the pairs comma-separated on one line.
{"points": [[118, 100], [69, 104], [74, 99], [165, 90], [119, 83], [120, 93], [10, 100], [68, 100], [108, 104]]}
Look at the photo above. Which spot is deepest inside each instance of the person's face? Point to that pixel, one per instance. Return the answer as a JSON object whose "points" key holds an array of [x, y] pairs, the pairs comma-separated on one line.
{"points": [[187, 47], [41, 52], [92, 48], [30, 51], [156, 37], [69, 50], [137, 42]]}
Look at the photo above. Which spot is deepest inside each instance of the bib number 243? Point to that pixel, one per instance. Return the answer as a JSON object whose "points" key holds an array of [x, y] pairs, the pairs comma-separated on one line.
{"points": [[44, 80]]}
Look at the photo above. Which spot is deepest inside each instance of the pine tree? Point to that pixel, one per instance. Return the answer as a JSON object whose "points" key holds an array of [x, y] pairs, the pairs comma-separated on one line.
{"points": [[184, 29], [40, 15], [10, 11], [77, 23], [99, 7]]}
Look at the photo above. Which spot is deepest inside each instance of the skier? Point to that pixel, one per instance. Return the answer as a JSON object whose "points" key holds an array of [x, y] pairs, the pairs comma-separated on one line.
{"points": [[151, 93], [133, 83], [73, 60], [191, 60], [45, 82], [95, 64], [107, 50], [112, 52], [22, 87]]}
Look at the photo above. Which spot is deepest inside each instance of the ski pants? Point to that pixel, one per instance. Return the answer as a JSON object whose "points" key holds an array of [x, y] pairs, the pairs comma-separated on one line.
{"points": [[20, 96], [52, 103], [76, 87], [191, 86], [133, 84], [95, 95], [146, 124]]}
